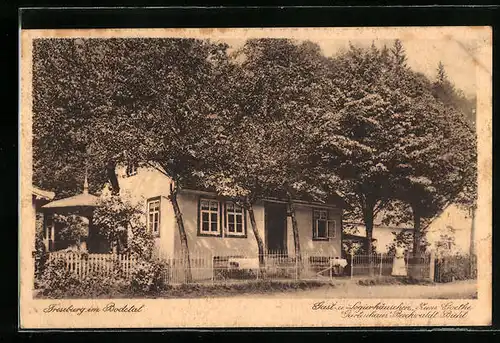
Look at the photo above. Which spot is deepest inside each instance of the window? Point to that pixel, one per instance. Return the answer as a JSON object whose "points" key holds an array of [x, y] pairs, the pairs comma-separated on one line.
{"points": [[209, 217], [235, 220], [154, 216], [324, 224], [131, 168]]}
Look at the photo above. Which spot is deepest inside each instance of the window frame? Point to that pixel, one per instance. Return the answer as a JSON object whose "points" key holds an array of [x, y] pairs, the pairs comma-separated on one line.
{"points": [[151, 230], [133, 166], [202, 233], [329, 213], [243, 233]]}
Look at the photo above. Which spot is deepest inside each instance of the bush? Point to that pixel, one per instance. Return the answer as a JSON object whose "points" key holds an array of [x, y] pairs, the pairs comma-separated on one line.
{"points": [[458, 267], [148, 276], [57, 282]]}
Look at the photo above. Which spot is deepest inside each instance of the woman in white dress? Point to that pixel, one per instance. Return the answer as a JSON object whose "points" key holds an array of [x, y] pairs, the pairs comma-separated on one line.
{"points": [[398, 265]]}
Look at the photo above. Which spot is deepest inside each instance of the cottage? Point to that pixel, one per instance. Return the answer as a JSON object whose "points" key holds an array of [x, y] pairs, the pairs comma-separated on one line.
{"points": [[216, 226], [218, 230]]}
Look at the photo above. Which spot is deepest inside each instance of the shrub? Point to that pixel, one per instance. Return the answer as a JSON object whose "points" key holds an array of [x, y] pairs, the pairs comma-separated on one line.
{"points": [[148, 276], [456, 267], [112, 219], [71, 227], [57, 282]]}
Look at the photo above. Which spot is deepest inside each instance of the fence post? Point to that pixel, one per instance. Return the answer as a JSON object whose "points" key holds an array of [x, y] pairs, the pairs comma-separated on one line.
{"points": [[352, 263], [381, 261], [258, 265], [296, 267], [212, 267], [432, 261], [331, 268]]}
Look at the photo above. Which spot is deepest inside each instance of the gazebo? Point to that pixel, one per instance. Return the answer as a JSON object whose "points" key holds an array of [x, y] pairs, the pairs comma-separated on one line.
{"points": [[82, 205]]}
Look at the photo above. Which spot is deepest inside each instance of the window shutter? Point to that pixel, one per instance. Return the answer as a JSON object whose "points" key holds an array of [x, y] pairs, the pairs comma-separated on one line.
{"points": [[332, 228]]}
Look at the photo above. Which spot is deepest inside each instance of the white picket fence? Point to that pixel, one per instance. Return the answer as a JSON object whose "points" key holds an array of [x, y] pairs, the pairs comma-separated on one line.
{"points": [[216, 268], [83, 264]]}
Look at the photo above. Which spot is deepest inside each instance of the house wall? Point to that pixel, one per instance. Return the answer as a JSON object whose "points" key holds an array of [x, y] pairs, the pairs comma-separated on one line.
{"points": [[332, 247], [149, 183], [146, 184], [382, 234], [215, 245], [452, 218], [385, 237]]}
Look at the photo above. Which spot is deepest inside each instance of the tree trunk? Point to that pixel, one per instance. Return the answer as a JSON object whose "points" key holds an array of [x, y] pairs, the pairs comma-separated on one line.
{"points": [[472, 247], [416, 242], [368, 218], [296, 238], [416, 233], [112, 178], [260, 243], [472, 250], [182, 234]]}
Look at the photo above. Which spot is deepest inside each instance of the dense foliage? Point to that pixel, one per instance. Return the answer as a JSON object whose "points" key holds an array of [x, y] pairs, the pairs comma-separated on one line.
{"points": [[276, 117]]}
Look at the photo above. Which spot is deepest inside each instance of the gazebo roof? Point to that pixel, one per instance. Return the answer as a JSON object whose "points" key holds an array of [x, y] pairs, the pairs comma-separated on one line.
{"points": [[80, 200], [77, 201]]}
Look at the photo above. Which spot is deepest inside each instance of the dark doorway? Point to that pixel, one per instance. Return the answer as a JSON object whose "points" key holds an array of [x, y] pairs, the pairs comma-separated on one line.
{"points": [[276, 228]]}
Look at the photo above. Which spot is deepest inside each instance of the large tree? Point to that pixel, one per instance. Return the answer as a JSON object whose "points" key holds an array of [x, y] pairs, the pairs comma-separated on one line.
{"points": [[367, 110], [267, 139], [433, 160], [285, 91], [100, 102]]}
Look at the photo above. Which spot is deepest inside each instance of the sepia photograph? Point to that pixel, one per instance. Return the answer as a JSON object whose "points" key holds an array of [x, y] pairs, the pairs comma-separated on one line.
{"points": [[335, 168]]}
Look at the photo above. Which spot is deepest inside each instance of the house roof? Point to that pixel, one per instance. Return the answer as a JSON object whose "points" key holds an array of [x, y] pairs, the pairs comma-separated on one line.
{"points": [[332, 200], [80, 200], [348, 236], [42, 194]]}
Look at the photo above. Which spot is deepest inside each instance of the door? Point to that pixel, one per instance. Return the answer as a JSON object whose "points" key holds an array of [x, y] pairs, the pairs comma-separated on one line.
{"points": [[276, 234]]}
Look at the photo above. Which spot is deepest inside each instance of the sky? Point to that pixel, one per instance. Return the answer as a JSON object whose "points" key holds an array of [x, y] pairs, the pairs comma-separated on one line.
{"points": [[423, 56]]}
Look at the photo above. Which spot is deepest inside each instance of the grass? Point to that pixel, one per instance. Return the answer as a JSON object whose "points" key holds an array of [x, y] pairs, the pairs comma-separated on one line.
{"points": [[406, 280], [196, 290], [252, 287]]}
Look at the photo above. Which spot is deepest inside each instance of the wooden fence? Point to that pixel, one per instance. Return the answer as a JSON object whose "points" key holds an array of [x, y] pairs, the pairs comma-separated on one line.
{"points": [[215, 268], [83, 264]]}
